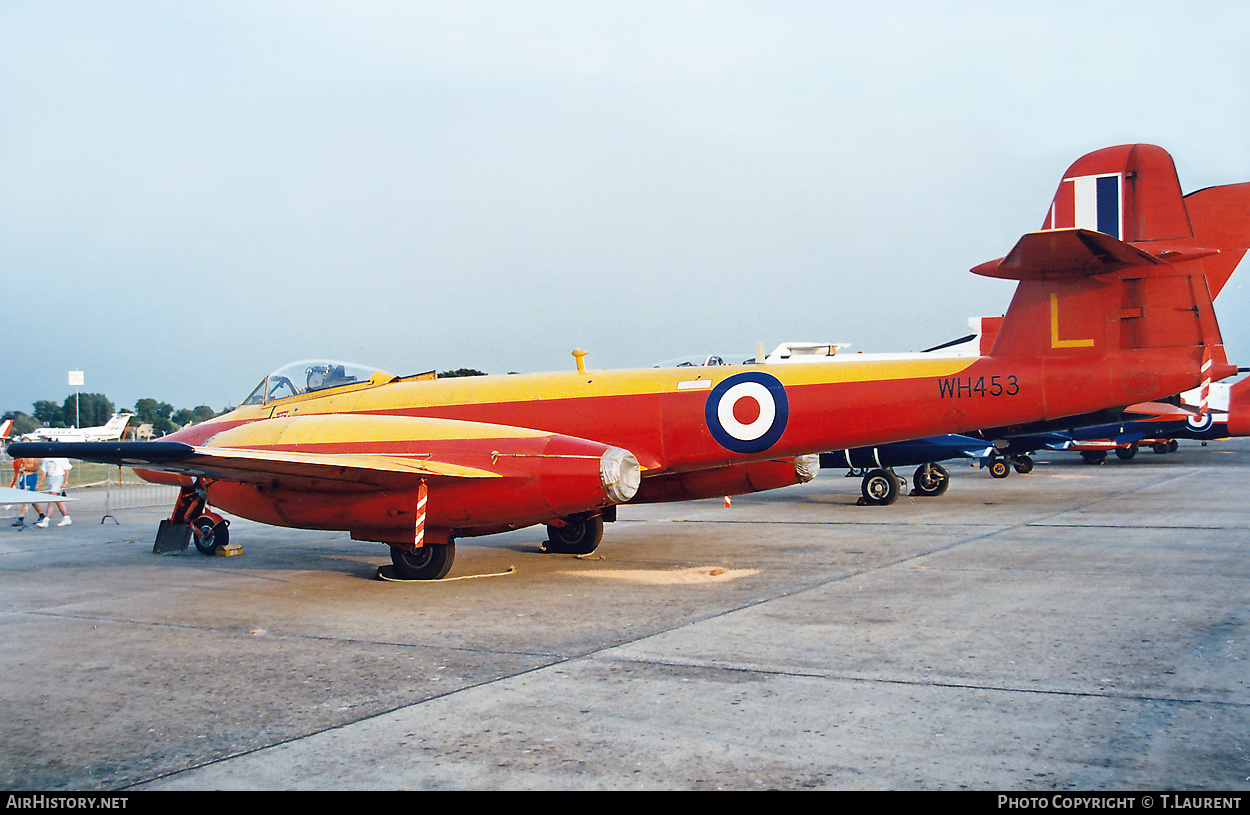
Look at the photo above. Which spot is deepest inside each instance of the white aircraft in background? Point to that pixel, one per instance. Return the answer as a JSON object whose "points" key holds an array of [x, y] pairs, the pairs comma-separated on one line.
{"points": [[109, 431]]}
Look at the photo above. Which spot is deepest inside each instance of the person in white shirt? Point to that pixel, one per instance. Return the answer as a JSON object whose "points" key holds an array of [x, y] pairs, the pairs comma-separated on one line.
{"points": [[55, 471]]}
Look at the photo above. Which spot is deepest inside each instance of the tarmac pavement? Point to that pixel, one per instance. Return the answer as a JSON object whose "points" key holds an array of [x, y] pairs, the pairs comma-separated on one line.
{"points": [[1078, 628]]}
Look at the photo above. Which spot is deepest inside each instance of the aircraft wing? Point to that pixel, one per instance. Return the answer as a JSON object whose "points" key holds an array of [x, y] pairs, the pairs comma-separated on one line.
{"points": [[10, 495], [255, 466]]}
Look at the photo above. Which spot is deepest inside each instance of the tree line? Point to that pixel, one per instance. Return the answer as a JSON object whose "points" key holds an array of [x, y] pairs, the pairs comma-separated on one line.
{"points": [[94, 409]]}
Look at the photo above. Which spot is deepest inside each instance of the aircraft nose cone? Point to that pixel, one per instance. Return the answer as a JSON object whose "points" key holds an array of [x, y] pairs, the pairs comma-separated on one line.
{"points": [[620, 473]]}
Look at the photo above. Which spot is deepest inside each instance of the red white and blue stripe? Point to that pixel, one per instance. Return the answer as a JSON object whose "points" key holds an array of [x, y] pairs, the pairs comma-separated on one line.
{"points": [[1089, 202]]}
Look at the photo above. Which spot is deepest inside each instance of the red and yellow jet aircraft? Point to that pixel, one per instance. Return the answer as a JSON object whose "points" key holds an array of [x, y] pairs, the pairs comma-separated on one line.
{"points": [[1112, 309]]}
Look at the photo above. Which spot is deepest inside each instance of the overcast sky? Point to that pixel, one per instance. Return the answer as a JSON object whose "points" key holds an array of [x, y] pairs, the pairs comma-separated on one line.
{"points": [[193, 194]]}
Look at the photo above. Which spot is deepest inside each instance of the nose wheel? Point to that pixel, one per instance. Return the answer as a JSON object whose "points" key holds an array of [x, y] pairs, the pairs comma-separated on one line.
{"points": [[210, 534]]}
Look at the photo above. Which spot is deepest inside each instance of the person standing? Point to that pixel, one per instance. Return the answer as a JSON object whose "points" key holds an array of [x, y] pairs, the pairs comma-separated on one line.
{"points": [[26, 477], [55, 471]]}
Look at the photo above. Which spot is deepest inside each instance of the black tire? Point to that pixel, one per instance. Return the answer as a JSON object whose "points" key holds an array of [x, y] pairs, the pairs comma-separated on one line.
{"points": [[1094, 456], [209, 536], [999, 468], [1173, 445], [1159, 447], [429, 562], [580, 535], [931, 480], [880, 488], [1022, 464], [1126, 453]]}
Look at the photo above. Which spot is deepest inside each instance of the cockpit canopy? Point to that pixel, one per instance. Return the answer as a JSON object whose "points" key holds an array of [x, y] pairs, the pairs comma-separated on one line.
{"points": [[313, 375]]}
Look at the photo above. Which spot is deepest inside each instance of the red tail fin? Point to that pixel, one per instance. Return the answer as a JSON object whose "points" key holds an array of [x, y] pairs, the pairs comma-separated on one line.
{"points": [[1115, 268], [1239, 408], [1129, 192], [1221, 220]]}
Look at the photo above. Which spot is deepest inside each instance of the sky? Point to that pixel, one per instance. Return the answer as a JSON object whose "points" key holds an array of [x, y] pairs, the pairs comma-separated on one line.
{"points": [[193, 194]]}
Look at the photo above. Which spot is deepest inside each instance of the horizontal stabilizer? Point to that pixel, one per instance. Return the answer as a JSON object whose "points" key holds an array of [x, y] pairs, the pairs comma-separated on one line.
{"points": [[1160, 409], [1063, 253]]}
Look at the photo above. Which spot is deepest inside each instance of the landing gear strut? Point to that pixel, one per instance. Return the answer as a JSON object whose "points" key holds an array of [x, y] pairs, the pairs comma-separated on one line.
{"points": [[192, 521]]}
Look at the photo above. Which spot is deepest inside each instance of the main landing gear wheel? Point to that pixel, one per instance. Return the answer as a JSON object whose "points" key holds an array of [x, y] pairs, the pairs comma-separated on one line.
{"points": [[931, 480], [429, 562], [208, 535], [1125, 453], [1094, 456], [1023, 464], [879, 488], [999, 468], [580, 535]]}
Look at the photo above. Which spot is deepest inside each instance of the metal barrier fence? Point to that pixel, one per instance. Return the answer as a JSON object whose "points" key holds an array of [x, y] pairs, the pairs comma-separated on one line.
{"points": [[125, 490]]}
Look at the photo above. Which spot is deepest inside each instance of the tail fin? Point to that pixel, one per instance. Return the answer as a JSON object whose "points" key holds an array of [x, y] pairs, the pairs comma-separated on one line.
{"points": [[1116, 266], [1239, 408], [1129, 192], [1221, 220]]}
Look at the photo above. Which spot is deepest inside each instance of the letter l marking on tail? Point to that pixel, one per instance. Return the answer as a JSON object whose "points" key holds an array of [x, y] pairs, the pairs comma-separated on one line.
{"points": [[1055, 342]]}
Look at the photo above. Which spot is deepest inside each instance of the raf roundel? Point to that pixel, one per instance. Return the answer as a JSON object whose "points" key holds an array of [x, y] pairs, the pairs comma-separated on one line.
{"points": [[747, 412], [1201, 422]]}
